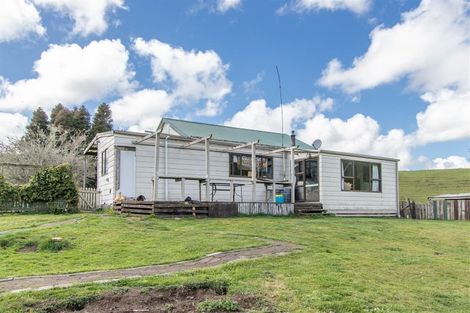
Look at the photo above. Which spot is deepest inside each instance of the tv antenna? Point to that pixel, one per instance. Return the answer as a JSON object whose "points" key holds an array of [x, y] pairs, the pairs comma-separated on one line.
{"points": [[282, 109]]}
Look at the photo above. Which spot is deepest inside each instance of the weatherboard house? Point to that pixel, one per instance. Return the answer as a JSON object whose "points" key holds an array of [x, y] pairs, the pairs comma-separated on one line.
{"points": [[216, 163]]}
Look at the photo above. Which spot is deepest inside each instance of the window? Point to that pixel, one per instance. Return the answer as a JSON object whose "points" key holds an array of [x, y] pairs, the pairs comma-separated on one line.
{"points": [[360, 176], [240, 165], [104, 162]]}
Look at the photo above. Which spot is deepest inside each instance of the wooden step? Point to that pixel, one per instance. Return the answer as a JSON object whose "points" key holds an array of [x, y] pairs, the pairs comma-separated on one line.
{"points": [[305, 208]]}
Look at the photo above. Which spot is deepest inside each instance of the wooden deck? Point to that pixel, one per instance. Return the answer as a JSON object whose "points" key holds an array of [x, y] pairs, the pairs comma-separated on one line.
{"points": [[178, 208], [308, 208]]}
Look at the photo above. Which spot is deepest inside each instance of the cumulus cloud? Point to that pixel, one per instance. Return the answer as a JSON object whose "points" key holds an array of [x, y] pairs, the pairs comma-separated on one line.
{"points": [[89, 16], [452, 161], [301, 6], [142, 109], [447, 117], [18, 18], [191, 76], [257, 115], [225, 5], [70, 74], [429, 47], [12, 125]]}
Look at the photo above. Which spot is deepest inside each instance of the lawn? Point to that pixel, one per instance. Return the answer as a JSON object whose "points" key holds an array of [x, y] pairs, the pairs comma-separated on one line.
{"points": [[347, 265], [21, 221], [419, 185]]}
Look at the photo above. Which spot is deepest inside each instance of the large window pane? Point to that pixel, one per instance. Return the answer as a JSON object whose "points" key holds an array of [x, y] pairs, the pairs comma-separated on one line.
{"points": [[362, 176], [347, 168]]}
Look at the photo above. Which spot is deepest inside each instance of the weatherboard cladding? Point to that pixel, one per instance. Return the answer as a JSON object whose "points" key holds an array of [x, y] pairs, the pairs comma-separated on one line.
{"points": [[196, 129]]}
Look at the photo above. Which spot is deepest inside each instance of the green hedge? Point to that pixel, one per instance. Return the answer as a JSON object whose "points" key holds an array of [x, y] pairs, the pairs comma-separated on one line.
{"points": [[49, 185]]}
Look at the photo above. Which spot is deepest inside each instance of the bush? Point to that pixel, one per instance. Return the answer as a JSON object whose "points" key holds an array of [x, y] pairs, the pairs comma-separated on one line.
{"points": [[218, 306], [52, 184], [9, 193], [52, 245]]}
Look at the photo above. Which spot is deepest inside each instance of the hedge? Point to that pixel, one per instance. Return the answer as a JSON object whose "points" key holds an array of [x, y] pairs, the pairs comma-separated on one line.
{"points": [[52, 184]]}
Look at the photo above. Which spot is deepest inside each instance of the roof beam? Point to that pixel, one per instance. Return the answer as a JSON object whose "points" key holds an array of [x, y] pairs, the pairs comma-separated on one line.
{"points": [[244, 145], [197, 141], [279, 150]]}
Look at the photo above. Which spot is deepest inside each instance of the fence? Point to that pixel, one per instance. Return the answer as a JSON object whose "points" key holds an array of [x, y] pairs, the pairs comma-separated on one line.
{"points": [[37, 207], [266, 208], [88, 199], [436, 209]]}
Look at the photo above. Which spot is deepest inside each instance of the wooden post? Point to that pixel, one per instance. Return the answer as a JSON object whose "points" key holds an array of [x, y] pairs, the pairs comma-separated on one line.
{"points": [[232, 197], [208, 174], [84, 173], [274, 191], [292, 174], [183, 188], [253, 172], [156, 167]]}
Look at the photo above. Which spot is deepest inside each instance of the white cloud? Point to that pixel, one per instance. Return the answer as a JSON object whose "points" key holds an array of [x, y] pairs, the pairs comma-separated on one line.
{"points": [[257, 115], [300, 6], [12, 125], [141, 110], [250, 86], [89, 15], [18, 18], [191, 76], [225, 5], [452, 161], [429, 47], [70, 74], [447, 117], [358, 134]]}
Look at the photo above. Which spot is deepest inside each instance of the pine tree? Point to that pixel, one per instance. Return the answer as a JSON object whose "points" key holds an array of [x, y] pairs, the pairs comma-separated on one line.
{"points": [[39, 123], [63, 119], [59, 107], [80, 120], [102, 121]]}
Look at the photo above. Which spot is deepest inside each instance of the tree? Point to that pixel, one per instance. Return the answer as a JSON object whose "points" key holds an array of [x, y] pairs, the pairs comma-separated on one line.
{"points": [[63, 118], [102, 121], [80, 120], [59, 107], [39, 123], [43, 149]]}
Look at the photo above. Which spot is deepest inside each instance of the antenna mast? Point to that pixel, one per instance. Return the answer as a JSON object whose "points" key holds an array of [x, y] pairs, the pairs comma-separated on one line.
{"points": [[282, 109]]}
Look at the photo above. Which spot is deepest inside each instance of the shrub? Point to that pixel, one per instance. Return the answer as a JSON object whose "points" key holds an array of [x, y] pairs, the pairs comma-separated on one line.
{"points": [[52, 184], [9, 193], [52, 245], [207, 306]]}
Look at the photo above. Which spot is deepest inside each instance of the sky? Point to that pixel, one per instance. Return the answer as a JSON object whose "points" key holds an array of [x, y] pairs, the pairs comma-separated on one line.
{"points": [[381, 77]]}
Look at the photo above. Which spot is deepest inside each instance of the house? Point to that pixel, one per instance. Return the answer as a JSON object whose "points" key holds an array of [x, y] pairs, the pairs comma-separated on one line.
{"points": [[216, 163]]}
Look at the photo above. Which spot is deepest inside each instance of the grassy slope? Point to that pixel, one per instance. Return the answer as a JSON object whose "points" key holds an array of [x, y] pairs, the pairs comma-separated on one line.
{"points": [[17, 221], [348, 265], [419, 185]]}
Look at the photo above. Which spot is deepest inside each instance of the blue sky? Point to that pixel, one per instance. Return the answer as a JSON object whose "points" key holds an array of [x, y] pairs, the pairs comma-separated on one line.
{"points": [[378, 77]]}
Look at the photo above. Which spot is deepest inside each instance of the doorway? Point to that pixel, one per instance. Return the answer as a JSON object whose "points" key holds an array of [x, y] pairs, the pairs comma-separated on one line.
{"points": [[306, 185], [126, 172]]}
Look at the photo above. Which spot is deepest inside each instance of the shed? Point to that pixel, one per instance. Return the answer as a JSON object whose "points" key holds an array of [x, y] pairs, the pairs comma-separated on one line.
{"points": [[451, 206]]}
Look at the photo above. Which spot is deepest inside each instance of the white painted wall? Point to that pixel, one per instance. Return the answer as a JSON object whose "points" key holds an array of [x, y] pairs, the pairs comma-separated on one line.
{"points": [[181, 162], [105, 183], [354, 202]]}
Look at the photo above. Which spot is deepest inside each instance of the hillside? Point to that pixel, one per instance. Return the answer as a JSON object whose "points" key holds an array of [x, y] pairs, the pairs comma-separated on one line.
{"points": [[418, 185]]}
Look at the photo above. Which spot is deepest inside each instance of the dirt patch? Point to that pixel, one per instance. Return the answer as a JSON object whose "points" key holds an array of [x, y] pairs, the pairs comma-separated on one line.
{"points": [[171, 300], [28, 248]]}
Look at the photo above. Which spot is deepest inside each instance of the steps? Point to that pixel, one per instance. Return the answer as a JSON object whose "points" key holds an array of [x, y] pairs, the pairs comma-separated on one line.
{"points": [[308, 208]]}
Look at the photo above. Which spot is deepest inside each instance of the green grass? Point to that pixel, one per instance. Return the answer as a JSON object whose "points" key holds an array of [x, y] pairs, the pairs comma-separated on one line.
{"points": [[20, 221], [419, 185], [347, 265]]}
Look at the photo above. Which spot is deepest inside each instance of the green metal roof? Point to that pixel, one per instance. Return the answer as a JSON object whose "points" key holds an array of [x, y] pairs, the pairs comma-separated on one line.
{"points": [[196, 129]]}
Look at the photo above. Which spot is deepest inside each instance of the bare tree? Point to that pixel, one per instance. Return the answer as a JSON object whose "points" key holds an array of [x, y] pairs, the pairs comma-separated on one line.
{"points": [[22, 157]]}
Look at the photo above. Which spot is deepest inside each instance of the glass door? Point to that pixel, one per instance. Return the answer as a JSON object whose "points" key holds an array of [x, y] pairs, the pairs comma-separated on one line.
{"points": [[306, 172]]}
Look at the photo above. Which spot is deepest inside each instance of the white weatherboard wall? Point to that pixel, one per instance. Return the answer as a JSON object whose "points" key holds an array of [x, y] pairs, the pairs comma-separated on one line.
{"points": [[105, 183], [355, 202], [189, 162]]}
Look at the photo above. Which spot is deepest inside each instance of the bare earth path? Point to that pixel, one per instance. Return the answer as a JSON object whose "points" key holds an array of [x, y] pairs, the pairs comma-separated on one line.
{"points": [[275, 248]]}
